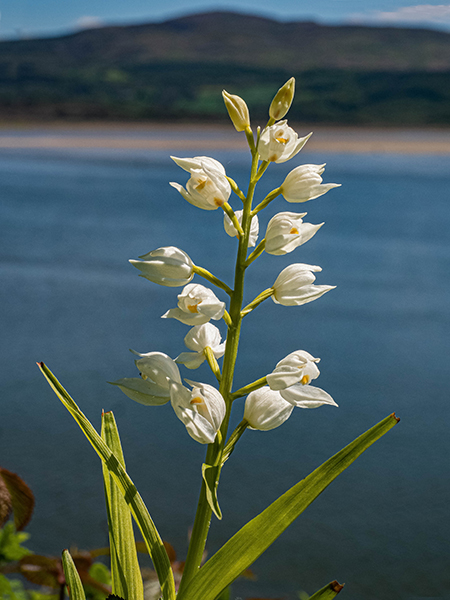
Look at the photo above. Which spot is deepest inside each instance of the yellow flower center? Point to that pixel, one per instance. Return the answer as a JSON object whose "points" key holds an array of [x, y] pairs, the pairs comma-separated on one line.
{"points": [[201, 184], [197, 400], [282, 140], [294, 230], [193, 307], [305, 380]]}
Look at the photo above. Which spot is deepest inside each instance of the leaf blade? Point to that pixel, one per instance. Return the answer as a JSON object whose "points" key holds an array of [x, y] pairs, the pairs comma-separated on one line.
{"points": [[257, 535], [128, 489], [328, 592], [76, 591], [125, 570]]}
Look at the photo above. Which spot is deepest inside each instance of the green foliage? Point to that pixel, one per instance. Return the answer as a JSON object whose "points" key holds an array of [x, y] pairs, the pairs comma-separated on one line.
{"points": [[11, 541], [100, 573], [126, 575], [258, 534], [138, 509], [351, 75], [14, 590]]}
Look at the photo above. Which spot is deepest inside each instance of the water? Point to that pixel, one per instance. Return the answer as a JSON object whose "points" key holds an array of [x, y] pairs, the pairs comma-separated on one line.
{"points": [[72, 219]]}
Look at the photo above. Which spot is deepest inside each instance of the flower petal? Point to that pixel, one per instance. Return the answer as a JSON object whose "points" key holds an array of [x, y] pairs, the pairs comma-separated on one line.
{"points": [[307, 396]]}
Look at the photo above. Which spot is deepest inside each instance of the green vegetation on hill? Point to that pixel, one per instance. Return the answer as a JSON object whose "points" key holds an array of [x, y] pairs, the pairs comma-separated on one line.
{"points": [[177, 69]]}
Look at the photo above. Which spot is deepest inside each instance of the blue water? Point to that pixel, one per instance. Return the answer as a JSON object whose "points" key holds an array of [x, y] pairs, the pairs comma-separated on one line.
{"points": [[70, 220]]}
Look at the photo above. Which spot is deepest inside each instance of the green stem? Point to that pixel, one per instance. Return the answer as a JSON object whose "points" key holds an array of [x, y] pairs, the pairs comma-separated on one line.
{"points": [[212, 362], [273, 194], [230, 212], [233, 440], [262, 167], [256, 252], [236, 189], [212, 279], [214, 453], [251, 387], [257, 301]]}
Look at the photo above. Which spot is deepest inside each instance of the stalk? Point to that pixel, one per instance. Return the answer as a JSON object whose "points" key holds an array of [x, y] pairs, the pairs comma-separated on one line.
{"points": [[214, 453]]}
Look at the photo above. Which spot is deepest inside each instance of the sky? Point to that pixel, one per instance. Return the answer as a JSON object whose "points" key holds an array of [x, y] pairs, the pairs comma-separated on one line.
{"points": [[32, 18]]}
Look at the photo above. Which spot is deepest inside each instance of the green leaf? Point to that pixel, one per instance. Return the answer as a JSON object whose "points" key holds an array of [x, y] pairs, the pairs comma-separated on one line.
{"points": [[258, 534], [329, 591], [76, 591], [138, 509], [125, 571], [210, 477]]}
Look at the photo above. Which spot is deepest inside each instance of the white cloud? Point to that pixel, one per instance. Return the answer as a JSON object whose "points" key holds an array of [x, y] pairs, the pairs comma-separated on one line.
{"points": [[88, 22], [420, 13]]}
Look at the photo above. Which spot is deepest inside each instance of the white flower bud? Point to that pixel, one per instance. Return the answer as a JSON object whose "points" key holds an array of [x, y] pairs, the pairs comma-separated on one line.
{"points": [[305, 183], [286, 231], [238, 111], [199, 338], [265, 409], [231, 230], [293, 286], [201, 409], [278, 143], [168, 266], [282, 100], [208, 187], [196, 305]]}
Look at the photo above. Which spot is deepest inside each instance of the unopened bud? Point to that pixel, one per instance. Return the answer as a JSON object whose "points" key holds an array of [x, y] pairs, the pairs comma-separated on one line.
{"points": [[282, 100], [238, 111]]}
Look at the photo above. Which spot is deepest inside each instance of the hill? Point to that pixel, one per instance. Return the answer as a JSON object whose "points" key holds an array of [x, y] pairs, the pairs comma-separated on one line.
{"points": [[177, 68]]}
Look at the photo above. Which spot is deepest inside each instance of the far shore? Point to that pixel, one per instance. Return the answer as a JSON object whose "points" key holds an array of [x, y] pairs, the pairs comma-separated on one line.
{"points": [[200, 137]]}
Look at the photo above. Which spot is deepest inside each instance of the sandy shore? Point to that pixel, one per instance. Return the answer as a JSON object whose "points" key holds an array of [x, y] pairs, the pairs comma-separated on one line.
{"points": [[201, 138]]}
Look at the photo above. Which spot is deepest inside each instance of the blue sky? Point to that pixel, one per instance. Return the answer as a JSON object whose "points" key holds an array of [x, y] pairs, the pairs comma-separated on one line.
{"points": [[52, 17]]}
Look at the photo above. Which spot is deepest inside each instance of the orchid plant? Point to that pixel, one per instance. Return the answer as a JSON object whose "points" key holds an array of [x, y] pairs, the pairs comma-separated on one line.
{"points": [[204, 409]]}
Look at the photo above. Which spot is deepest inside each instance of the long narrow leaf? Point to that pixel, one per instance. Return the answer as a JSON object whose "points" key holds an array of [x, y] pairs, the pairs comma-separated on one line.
{"points": [[138, 509], [328, 592], [76, 591], [258, 534], [125, 571]]}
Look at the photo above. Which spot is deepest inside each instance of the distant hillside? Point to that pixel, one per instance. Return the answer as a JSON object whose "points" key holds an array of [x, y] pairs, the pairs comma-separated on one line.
{"points": [[176, 69]]}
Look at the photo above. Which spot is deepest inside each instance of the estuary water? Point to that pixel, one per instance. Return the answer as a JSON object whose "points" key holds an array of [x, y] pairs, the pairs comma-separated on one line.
{"points": [[71, 219]]}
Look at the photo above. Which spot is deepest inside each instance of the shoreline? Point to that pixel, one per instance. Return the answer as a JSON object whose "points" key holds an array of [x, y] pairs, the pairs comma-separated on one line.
{"points": [[184, 136]]}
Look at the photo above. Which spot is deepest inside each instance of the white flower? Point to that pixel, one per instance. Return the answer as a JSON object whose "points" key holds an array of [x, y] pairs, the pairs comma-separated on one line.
{"points": [[293, 286], [199, 338], [282, 100], [208, 187], [286, 231], [265, 409], [299, 366], [291, 378], [196, 305], [278, 143], [231, 230], [238, 111], [201, 409], [305, 183], [157, 370], [168, 266]]}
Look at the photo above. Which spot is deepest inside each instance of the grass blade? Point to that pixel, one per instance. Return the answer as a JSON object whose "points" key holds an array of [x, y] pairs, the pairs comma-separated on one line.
{"points": [[328, 592]]}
